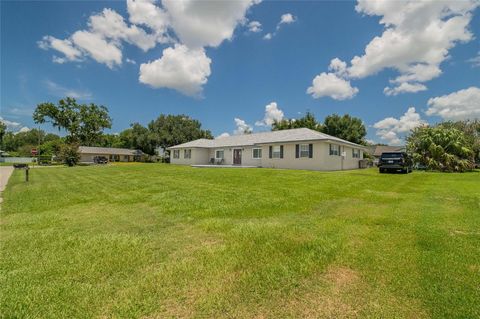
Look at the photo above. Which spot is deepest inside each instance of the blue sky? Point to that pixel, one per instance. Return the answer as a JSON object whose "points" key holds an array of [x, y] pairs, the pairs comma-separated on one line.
{"points": [[206, 60]]}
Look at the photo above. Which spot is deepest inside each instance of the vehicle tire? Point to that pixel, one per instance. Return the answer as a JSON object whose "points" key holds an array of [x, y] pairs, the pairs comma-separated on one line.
{"points": [[381, 170]]}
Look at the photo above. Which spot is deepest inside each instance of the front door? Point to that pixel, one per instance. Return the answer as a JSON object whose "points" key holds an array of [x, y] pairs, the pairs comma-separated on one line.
{"points": [[237, 157]]}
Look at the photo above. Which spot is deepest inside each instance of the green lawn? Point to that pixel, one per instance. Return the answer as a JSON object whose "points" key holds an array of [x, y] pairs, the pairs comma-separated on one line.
{"points": [[156, 241]]}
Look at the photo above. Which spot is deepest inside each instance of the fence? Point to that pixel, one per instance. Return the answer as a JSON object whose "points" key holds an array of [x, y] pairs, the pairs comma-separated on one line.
{"points": [[25, 160]]}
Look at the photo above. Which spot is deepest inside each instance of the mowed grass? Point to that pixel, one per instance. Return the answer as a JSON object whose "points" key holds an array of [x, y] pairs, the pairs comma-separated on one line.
{"points": [[156, 241]]}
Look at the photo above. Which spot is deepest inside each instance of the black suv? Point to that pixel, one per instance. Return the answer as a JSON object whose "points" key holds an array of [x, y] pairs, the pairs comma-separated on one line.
{"points": [[394, 162]]}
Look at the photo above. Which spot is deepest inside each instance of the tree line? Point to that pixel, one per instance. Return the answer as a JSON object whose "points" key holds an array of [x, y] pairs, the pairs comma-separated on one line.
{"points": [[84, 124], [447, 146]]}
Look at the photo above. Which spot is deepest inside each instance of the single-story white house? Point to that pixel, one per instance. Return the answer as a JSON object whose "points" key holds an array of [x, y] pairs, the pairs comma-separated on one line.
{"points": [[88, 154], [300, 148]]}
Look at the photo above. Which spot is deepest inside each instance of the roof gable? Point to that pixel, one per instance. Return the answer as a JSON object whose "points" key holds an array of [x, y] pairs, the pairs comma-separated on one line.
{"points": [[282, 136]]}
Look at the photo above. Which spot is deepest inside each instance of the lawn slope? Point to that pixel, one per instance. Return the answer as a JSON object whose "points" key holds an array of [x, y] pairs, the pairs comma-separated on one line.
{"points": [[157, 241]]}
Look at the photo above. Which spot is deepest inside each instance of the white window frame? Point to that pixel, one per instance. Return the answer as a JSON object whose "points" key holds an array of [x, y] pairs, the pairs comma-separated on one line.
{"points": [[176, 154], [223, 154], [334, 150], [187, 151], [260, 151], [304, 153], [276, 153], [355, 153]]}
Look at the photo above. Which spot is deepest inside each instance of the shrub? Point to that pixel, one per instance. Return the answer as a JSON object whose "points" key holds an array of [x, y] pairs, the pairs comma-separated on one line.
{"points": [[69, 154], [440, 148]]}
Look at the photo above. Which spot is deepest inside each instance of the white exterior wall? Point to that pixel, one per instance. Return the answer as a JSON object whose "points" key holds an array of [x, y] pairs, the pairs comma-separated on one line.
{"points": [[247, 155], [321, 160], [89, 158], [199, 156]]}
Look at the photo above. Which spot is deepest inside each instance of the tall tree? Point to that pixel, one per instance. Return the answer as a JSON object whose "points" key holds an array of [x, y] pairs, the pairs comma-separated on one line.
{"points": [[3, 130], [23, 142], [138, 137], [440, 148], [111, 140], [169, 130], [83, 123], [307, 121], [345, 127]]}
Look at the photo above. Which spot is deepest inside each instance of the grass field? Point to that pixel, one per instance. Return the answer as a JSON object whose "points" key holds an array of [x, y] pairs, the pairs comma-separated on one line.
{"points": [[156, 241]]}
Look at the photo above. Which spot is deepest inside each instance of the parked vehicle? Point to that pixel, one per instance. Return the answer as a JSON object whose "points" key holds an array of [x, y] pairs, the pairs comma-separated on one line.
{"points": [[100, 160], [395, 162]]}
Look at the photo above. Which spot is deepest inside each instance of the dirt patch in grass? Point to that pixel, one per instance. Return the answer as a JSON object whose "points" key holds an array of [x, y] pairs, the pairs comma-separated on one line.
{"points": [[340, 277], [323, 295]]}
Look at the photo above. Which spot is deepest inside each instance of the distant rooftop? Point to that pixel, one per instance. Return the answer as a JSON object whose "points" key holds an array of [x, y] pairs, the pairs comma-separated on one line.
{"points": [[282, 136], [377, 150], [108, 150]]}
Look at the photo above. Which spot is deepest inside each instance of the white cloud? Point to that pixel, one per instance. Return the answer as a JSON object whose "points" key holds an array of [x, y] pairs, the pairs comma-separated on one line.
{"points": [[14, 126], [111, 25], [18, 111], [391, 129], [179, 68], [272, 114], [192, 25], [98, 48], [404, 87], [224, 134], [416, 39], [475, 61], [242, 127], [130, 61], [102, 41], [460, 105], [147, 13], [254, 26], [63, 46], [329, 84], [61, 91], [286, 18], [205, 23], [10, 124], [338, 67]]}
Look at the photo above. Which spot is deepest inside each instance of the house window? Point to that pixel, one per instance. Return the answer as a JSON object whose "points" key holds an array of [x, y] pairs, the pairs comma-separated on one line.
{"points": [[334, 149], [276, 151], [257, 153], [219, 154], [176, 153], [125, 157], [304, 150], [187, 154], [355, 153]]}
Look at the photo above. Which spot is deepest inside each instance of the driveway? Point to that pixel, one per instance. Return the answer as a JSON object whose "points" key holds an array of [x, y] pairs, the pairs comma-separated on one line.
{"points": [[5, 172]]}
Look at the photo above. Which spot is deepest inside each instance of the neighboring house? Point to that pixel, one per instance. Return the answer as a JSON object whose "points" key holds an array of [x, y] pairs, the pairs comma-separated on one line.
{"points": [[300, 148], [88, 153], [377, 150]]}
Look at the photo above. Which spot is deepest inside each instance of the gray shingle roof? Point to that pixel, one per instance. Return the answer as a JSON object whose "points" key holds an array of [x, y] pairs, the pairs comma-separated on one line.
{"points": [[377, 150], [108, 150], [283, 136]]}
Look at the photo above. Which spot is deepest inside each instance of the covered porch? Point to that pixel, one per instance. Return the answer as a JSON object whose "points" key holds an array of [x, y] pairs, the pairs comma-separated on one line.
{"points": [[222, 166]]}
